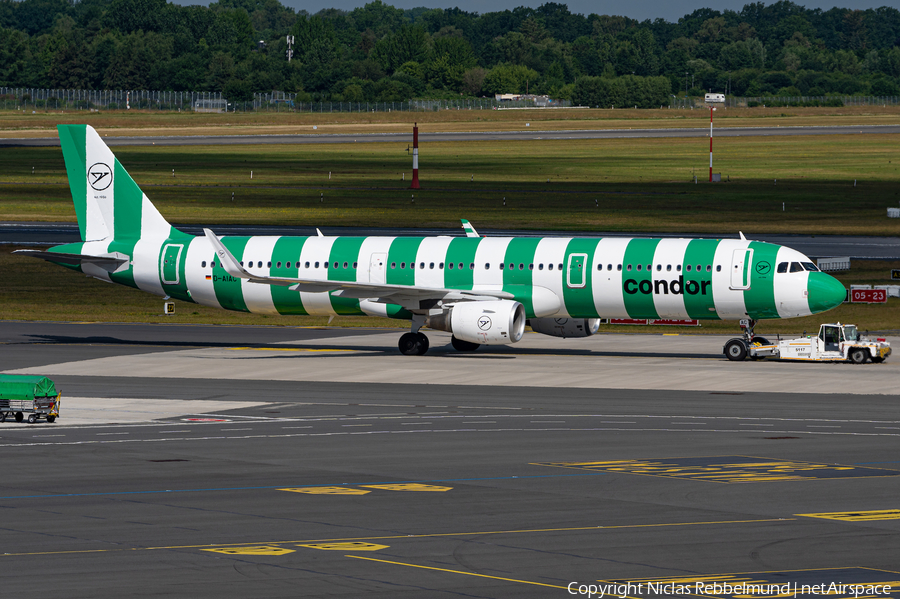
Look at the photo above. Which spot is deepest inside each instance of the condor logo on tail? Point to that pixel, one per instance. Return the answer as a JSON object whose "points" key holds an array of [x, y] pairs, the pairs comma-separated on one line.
{"points": [[661, 287]]}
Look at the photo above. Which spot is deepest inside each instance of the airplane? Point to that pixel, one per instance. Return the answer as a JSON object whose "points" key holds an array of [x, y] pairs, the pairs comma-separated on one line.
{"points": [[483, 290]]}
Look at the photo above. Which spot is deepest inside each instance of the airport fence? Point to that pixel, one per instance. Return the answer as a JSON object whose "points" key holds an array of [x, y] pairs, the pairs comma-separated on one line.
{"points": [[694, 102], [26, 99]]}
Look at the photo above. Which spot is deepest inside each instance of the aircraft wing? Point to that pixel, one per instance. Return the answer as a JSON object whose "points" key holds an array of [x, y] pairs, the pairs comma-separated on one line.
{"points": [[468, 228], [408, 296]]}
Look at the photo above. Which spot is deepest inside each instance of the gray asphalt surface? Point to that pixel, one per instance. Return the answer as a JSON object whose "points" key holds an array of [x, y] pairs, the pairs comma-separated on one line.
{"points": [[345, 489], [816, 246], [526, 135]]}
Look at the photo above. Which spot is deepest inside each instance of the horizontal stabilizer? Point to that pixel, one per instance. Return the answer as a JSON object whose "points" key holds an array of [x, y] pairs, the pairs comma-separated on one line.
{"points": [[112, 262]]}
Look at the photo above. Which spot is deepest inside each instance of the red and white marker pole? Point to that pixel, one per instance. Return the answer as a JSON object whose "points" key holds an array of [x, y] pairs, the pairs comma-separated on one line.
{"points": [[415, 179], [710, 141]]}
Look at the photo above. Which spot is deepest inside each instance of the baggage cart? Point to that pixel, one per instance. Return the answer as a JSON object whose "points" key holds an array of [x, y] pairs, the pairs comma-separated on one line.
{"points": [[35, 396]]}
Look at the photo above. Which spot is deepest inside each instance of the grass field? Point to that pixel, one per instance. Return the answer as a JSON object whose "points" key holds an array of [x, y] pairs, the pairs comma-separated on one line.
{"points": [[613, 185], [37, 290], [43, 124]]}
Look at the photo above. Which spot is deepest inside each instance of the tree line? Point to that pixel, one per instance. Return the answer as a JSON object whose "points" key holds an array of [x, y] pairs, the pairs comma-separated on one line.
{"points": [[379, 53]]}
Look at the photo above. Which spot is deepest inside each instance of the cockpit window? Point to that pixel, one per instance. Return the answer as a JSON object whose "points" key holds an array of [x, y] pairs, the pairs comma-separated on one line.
{"points": [[810, 266], [796, 267], [782, 267]]}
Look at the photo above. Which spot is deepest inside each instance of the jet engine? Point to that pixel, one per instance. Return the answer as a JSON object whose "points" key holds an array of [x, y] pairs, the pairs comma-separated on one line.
{"points": [[498, 322], [565, 327]]}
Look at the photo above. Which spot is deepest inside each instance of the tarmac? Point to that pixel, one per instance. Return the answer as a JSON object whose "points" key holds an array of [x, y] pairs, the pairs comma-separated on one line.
{"points": [[283, 462]]}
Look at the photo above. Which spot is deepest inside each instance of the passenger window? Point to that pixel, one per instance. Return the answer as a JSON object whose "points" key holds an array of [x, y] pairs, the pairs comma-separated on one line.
{"points": [[549, 267], [699, 268], [649, 267], [599, 267], [421, 266], [450, 265], [393, 265], [317, 265], [619, 268], [782, 267], [677, 268], [213, 264], [541, 266], [531, 267], [502, 266], [431, 265], [354, 265], [487, 266], [609, 267], [688, 268], [203, 264], [718, 268], [460, 266], [471, 266], [521, 267], [277, 264], [560, 267], [324, 265], [628, 268], [269, 264], [345, 265], [796, 267], [708, 268], [639, 266], [668, 268]]}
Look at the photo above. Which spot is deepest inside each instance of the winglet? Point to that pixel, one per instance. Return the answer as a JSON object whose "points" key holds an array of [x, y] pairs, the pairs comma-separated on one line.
{"points": [[226, 258], [318, 232], [468, 228], [741, 233]]}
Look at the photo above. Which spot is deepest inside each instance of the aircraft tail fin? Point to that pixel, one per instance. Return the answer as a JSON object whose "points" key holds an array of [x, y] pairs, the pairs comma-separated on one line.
{"points": [[108, 203]]}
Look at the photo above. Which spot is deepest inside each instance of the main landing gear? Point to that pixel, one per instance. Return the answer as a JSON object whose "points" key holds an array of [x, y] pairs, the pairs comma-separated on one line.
{"points": [[413, 344], [737, 349], [416, 343]]}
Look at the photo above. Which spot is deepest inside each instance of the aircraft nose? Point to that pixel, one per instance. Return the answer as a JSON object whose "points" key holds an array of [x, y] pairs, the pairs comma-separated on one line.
{"points": [[825, 292]]}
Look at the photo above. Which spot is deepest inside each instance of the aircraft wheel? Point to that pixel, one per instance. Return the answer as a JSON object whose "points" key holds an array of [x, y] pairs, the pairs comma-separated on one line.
{"points": [[423, 344], [460, 345], [858, 355], [735, 350], [409, 344]]}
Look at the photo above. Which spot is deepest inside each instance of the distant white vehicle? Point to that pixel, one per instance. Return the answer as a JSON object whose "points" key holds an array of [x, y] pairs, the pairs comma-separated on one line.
{"points": [[715, 98]]}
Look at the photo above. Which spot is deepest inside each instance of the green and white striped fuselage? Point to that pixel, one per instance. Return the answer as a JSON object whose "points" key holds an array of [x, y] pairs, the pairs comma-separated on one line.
{"points": [[552, 277]]}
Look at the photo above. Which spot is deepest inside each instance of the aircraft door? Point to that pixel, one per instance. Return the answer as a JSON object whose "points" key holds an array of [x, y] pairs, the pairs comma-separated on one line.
{"points": [[575, 271], [740, 269], [169, 262], [377, 268]]}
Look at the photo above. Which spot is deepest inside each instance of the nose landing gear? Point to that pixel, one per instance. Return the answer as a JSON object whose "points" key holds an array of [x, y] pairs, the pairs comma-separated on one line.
{"points": [[738, 349]]}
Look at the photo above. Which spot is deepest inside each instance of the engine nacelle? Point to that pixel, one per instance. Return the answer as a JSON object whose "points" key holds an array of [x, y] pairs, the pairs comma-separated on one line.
{"points": [[498, 322], [565, 327]]}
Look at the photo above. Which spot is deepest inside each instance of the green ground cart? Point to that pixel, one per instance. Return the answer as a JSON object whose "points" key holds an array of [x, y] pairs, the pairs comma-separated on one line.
{"points": [[32, 395]]}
